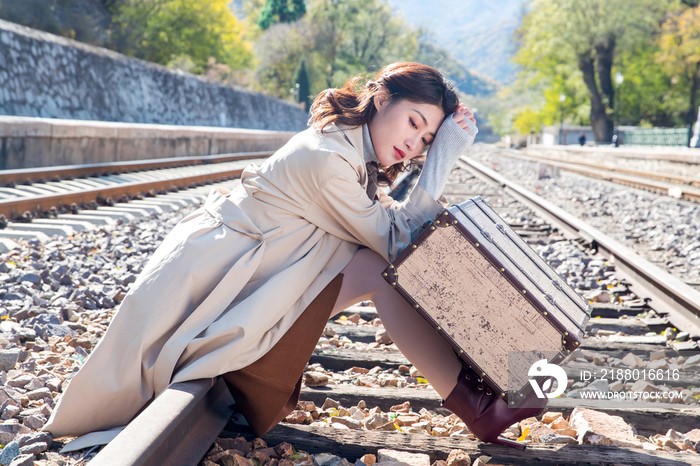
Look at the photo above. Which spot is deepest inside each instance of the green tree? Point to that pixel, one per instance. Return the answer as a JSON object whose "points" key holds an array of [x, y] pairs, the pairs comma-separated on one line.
{"points": [[649, 95], [557, 34], [338, 38], [280, 11], [248, 12], [278, 51], [301, 79], [164, 30], [357, 36], [679, 44]]}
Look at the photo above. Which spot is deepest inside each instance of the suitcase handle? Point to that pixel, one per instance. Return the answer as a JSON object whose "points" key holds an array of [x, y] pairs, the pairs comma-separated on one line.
{"points": [[487, 235]]}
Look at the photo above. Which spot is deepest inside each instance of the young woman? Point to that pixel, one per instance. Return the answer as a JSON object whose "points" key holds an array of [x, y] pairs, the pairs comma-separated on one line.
{"points": [[243, 286]]}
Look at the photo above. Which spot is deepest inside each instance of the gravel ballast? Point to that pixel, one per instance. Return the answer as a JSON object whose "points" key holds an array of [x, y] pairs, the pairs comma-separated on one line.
{"points": [[663, 230]]}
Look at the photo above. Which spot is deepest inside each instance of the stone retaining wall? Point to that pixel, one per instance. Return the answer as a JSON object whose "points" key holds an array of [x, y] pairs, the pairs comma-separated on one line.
{"points": [[43, 75]]}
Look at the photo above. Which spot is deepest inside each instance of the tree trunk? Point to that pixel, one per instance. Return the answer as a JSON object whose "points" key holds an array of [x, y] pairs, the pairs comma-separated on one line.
{"points": [[604, 52], [601, 123]]}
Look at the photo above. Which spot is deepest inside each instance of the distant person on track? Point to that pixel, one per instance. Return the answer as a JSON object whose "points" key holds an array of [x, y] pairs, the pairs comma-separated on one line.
{"points": [[243, 287], [582, 138]]}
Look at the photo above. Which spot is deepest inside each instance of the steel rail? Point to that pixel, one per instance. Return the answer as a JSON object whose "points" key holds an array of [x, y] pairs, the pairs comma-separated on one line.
{"points": [[668, 294], [35, 175], [176, 429], [644, 181]]}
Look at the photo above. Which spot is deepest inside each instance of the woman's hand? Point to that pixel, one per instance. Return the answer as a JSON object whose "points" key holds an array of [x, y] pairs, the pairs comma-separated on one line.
{"points": [[451, 141], [460, 117]]}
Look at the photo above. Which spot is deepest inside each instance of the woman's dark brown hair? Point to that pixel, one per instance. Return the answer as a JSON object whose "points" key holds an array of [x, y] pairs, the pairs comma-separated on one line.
{"points": [[353, 105]]}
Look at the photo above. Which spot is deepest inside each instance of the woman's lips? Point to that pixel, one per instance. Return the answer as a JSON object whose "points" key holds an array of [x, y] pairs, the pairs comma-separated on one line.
{"points": [[399, 153]]}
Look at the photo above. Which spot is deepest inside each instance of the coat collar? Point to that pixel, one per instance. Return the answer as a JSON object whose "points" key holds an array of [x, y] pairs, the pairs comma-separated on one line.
{"points": [[368, 146], [354, 136]]}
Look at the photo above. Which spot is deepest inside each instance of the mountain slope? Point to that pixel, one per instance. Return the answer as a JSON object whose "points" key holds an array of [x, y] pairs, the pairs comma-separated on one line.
{"points": [[476, 32]]}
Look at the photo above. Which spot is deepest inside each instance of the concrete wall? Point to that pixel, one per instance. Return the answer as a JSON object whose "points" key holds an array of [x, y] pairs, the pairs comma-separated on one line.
{"points": [[43, 75], [41, 142]]}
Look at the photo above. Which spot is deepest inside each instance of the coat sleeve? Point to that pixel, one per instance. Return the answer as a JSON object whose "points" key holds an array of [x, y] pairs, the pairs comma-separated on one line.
{"points": [[341, 207], [387, 201]]}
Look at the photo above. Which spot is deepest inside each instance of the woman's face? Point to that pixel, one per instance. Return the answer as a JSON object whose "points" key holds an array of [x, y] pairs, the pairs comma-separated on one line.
{"points": [[401, 129]]}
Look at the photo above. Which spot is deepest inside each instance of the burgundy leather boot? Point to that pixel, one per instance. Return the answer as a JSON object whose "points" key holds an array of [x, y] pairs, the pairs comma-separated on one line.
{"points": [[485, 413]]}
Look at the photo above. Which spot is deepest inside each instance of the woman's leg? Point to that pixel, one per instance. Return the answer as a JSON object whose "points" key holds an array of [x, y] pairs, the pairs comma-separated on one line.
{"points": [[417, 340]]}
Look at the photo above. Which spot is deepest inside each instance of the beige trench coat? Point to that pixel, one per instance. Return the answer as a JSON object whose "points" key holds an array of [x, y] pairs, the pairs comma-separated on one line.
{"points": [[233, 276]]}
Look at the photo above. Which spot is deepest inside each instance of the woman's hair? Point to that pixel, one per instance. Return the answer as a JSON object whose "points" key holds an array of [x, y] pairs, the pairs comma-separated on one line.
{"points": [[353, 104]]}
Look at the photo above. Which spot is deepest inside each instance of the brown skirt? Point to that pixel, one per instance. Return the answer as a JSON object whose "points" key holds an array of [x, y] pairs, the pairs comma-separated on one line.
{"points": [[268, 390]]}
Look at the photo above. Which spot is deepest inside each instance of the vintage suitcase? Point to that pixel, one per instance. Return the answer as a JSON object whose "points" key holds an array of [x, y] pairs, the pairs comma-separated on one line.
{"points": [[498, 304]]}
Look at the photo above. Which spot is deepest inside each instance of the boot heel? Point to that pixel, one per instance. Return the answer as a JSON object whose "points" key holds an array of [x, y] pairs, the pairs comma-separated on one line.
{"points": [[509, 443]]}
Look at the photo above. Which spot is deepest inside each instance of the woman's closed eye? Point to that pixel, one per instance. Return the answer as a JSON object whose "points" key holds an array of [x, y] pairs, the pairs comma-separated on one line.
{"points": [[414, 126]]}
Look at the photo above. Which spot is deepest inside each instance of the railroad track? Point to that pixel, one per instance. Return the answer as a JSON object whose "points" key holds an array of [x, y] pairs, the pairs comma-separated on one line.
{"points": [[182, 423], [676, 179], [46, 200], [678, 186], [648, 418], [669, 295]]}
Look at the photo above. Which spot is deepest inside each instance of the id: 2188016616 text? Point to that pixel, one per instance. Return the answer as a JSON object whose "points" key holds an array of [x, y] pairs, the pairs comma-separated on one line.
{"points": [[631, 374]]}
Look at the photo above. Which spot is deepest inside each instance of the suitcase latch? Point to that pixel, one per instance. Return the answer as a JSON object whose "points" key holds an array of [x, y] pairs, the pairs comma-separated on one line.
{"points": [[501, 228], [549, 298], [557, 285], [487, 235]]}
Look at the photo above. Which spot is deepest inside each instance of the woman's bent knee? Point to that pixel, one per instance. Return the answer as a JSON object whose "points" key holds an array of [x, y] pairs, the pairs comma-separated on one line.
{"points": [[369, 259], [362, 279], [366, 268]]}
